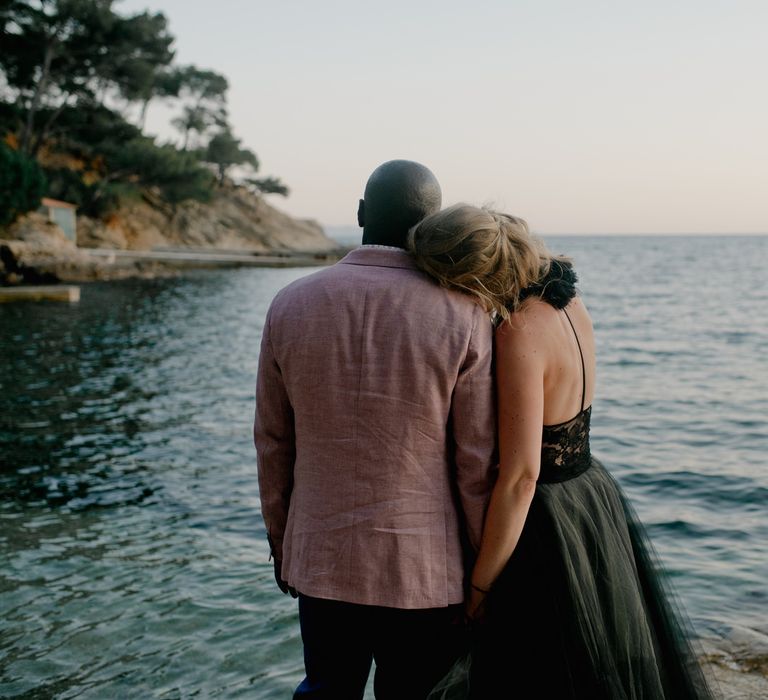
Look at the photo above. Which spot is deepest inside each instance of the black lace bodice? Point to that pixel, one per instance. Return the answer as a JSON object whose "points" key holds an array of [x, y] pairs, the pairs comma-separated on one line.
{"points": [[565, 449], [565, 446]]}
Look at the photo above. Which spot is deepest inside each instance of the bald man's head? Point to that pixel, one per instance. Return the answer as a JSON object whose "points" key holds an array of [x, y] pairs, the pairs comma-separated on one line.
{"points": [[398, 195]]}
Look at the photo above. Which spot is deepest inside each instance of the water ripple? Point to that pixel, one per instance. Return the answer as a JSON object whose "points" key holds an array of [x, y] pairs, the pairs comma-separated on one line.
{"points": [[133, 561]]}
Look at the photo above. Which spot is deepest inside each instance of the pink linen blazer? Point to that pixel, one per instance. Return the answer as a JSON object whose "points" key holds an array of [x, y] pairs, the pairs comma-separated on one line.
{"points": [[375, 431]]}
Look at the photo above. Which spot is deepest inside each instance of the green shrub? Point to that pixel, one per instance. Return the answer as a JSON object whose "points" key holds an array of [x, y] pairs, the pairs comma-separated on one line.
{"points": [[22, 184]]}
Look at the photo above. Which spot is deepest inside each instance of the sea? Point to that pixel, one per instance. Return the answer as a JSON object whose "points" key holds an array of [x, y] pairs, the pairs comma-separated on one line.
{"points": [[133, 557]]}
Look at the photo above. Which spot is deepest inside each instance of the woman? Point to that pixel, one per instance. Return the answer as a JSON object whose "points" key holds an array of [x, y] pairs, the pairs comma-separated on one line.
{"points": [[565, 595]]}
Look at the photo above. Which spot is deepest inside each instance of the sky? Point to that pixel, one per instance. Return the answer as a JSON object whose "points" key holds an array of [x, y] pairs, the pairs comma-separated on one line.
{"points": [[581, 117]]}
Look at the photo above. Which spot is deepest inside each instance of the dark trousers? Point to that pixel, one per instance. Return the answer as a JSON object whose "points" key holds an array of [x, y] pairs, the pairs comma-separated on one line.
{"points": [[413, 649]]}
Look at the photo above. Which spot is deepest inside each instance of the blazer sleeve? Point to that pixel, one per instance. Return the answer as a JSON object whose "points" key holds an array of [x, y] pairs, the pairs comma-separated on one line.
{"points": [[274, 437], [473, 420]]}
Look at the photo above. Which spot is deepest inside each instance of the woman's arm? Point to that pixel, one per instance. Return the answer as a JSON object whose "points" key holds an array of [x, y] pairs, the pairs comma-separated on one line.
{"points": [[520, 367]]}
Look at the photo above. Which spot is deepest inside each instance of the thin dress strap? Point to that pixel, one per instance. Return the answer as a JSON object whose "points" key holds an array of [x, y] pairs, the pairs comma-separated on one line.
{"points": [[583, 368]]}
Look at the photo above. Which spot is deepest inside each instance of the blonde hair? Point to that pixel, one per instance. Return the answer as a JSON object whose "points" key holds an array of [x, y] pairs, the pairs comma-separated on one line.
{"points": [[481, 252]]}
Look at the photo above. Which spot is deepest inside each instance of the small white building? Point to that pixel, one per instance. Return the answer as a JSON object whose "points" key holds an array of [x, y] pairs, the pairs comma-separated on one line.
{"points": [[63, 214]]}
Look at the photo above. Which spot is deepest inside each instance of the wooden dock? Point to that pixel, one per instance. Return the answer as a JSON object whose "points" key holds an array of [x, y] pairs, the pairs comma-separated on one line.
{"points": [[48, 292]]}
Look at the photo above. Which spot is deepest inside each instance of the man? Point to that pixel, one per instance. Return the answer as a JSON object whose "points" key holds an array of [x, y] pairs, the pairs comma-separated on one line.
{"points": [[375, 433]]}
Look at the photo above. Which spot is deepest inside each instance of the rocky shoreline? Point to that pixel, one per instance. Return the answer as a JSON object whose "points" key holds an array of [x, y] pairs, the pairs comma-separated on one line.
{"points": [[737, 662], [736, 683], [236, 228]]}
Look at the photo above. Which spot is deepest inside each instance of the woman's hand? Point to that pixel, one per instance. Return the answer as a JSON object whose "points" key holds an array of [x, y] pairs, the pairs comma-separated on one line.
{"points": [[474, 607], [520, 391]]}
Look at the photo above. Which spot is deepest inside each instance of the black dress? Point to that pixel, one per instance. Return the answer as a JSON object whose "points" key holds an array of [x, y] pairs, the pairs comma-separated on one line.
{"points": [[580, 610]]}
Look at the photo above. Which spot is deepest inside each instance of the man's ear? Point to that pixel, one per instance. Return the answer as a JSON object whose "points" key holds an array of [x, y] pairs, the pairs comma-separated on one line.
{"points": [[361, 214]]}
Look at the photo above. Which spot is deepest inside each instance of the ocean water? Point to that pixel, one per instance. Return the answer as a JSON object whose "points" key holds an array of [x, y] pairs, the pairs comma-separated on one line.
{"points": [[133, 560]]}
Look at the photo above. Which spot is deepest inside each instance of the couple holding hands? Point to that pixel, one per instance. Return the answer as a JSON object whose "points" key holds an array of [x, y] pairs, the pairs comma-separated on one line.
{"points": [[426, 481]]}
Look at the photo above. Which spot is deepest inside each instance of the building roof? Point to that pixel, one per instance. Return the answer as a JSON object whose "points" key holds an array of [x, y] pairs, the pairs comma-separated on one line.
{"points": [[56, 204]]}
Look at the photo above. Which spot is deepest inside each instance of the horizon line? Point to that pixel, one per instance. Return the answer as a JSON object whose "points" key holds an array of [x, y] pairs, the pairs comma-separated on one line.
{"points": [[605, 233]]}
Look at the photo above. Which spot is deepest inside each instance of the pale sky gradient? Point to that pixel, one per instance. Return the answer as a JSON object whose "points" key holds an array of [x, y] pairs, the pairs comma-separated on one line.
{"points": [[585, 116]]}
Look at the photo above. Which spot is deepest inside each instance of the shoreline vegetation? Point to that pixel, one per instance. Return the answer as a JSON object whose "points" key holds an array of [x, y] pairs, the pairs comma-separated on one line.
{"points": [[76, 82]]}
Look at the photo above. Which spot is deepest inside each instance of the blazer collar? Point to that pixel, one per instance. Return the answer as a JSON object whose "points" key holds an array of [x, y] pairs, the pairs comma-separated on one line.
{"points": [[379, 257]]}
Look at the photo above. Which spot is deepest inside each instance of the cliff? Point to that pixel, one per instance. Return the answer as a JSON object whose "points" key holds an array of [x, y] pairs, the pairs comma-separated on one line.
{"points": [[35, 251], [234, 219]]}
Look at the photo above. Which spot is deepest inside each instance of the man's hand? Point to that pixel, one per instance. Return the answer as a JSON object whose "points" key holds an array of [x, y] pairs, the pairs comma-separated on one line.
{"points": [[281, 583]]}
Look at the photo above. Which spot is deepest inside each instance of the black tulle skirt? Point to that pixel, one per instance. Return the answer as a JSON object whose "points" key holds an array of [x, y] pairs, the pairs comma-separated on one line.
{"points": [[580, 610]]}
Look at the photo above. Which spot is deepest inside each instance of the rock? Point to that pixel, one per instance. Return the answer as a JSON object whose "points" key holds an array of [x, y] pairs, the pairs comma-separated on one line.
{"points": [[234, 219], [35, 228], [36, 251], [43, 255], [32, 239], [735, 684]]}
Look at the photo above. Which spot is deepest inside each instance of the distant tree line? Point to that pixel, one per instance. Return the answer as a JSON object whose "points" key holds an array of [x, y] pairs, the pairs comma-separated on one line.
{"points": [[76, 80]]}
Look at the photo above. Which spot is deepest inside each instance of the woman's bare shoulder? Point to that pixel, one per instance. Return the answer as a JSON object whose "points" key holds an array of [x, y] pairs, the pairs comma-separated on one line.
{"points": [[579, 312], [539, 324], [527, 331], [533, 316]]}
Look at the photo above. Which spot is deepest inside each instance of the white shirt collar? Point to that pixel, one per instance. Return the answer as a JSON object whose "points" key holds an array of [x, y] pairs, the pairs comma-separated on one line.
{"points": [[383, 247]]}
